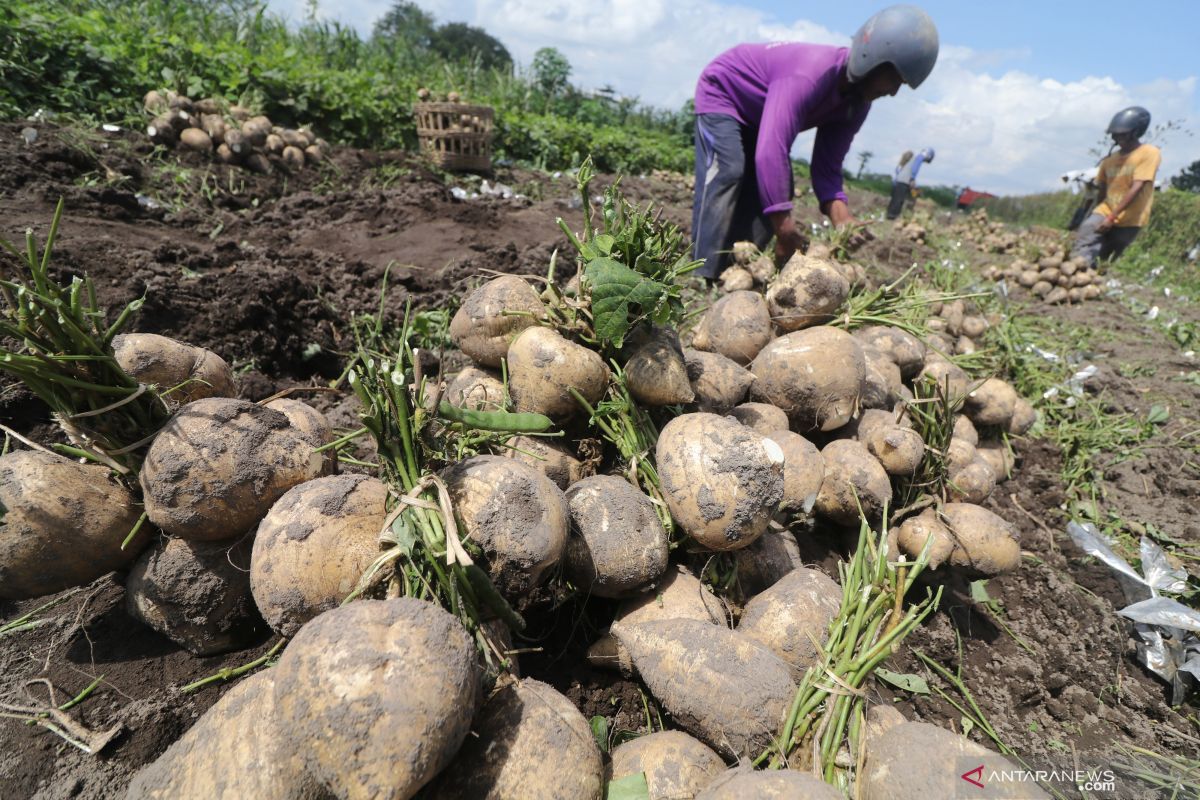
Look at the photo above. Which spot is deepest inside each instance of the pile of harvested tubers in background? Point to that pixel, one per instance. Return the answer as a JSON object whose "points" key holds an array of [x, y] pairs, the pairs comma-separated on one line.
{"points": [[230, 133], [600, 445], [1055, 278]]}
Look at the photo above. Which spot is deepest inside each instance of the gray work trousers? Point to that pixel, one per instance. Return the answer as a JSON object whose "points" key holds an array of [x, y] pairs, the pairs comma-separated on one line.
{"points": [[726, 208], [1095, 245]]}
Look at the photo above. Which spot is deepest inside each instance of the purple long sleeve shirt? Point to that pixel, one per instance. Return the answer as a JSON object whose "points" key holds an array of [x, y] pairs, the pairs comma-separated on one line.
{"points": [[779, 90]]}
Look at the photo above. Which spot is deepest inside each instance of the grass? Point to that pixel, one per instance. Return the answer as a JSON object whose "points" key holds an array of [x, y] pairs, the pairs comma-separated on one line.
{"points": [[1050, 209], [932, 412], [1172, 776], [59, 344], [827, 710], [1163, 245], [1041, 356], [426, 559]]}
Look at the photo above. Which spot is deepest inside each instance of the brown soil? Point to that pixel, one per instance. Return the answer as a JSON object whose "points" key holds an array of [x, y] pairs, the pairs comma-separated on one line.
{"points": [[267, 271]]}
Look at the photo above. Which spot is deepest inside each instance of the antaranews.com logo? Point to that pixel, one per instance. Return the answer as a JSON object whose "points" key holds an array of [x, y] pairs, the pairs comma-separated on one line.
{"points": [[979, 779]]}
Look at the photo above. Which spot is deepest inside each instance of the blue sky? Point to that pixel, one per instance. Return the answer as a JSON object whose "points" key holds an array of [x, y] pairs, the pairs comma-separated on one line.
{"points": [[1063, 39], [1021, 92]]}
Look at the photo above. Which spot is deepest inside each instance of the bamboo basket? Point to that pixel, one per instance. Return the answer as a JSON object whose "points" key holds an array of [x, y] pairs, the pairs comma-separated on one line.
{"points": [[455, 136]]}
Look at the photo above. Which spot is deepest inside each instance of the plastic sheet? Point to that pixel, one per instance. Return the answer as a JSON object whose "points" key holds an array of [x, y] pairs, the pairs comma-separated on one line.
{"points": [[1073, 386], [1170, 646]]}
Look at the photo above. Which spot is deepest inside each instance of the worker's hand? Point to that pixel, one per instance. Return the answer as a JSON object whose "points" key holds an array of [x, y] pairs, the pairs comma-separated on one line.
{"points": [[840, 216], [860, 234], [787, 242], [788, 237], [1106, 224]]}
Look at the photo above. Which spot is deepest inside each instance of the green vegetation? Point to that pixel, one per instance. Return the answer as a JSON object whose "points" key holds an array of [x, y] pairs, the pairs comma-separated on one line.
{"points": [[829, 704], [98, 58], [1051, 209], [1174, 229], [58, 342], [1188, 179], [944, 196]]}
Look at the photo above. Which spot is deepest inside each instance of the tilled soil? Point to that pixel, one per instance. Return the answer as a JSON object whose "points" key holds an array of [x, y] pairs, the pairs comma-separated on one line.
{"points": [[268, 270]]}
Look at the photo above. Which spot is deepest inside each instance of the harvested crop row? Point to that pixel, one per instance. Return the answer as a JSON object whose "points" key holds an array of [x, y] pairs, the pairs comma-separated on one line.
{"points": [[230, 133], [587, 449]]}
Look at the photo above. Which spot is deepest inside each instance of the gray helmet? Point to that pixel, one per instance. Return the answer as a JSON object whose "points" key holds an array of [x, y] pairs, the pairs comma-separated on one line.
{"points": [[903, 36], [1135, 120]]}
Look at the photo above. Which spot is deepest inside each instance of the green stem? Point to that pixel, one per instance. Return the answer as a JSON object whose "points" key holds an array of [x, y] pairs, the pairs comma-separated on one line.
{"points": [[226, 674]]}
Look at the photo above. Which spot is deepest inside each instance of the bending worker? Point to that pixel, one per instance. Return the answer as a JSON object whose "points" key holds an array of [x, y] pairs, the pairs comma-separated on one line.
{"points": [[904, 182], [753, 100], [1125, 184]]}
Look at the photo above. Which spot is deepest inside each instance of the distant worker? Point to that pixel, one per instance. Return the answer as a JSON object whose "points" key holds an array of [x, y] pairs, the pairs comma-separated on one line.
{"points": [[904, 182], [753, 100], [1125, 184]]}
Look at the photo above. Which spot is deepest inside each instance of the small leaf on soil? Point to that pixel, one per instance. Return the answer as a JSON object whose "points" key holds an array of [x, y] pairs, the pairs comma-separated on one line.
{"points": [[600, 732], [1158, 415], [979, 594], [906, 681]]}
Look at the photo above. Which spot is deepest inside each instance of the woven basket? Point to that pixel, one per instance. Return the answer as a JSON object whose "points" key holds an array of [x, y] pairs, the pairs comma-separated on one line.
{"points": [[456, 136]]}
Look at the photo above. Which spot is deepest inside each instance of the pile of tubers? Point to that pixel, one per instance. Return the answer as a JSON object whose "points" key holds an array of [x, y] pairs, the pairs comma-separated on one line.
{"points": [[1055, 278], [770, 414], [988, 235], [230, 133]]}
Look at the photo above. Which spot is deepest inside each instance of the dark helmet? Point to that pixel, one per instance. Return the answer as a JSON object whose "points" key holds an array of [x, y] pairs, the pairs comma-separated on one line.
{"points": [[903, 36], [1135, 120]]}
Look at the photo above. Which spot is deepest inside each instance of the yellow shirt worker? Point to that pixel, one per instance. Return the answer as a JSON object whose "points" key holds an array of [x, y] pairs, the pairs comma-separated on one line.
{"points": [[1126, 184]]}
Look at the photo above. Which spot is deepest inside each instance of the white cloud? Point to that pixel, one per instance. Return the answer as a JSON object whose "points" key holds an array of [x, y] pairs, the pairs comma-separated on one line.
{"points": [[1003, 132]]}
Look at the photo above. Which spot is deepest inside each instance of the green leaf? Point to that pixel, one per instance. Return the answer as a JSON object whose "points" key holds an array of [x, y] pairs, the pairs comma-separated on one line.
{"points": [[979, 594], [620, 297], [600, 732], [631, 787], [979, 591], [604, 244], [1158, 415], [403, 534], [968, 725], [906, 681]]}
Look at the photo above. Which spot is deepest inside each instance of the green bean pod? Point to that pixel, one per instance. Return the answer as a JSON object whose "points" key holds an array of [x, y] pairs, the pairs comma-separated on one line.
{"points": [[501, 421]]}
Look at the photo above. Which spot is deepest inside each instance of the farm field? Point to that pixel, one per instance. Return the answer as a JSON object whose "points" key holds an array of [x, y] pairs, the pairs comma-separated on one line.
{"points": [[282, 275]]}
